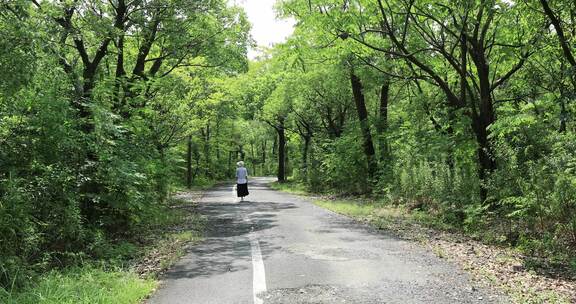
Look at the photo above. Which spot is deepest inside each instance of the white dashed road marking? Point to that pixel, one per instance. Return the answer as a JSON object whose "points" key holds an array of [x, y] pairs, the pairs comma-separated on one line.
{"points": [[259, 274], [258, 271]]}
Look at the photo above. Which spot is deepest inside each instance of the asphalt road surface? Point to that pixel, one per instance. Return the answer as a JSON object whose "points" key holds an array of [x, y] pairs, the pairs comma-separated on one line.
{"points": [[280, 248]]}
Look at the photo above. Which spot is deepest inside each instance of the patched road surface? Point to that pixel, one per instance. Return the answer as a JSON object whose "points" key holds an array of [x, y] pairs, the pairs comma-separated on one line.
{"points": [[280, 248]]}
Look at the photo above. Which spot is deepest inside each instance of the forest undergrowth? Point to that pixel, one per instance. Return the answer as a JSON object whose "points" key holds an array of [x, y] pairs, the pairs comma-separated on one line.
{"points": [[124, 270]]}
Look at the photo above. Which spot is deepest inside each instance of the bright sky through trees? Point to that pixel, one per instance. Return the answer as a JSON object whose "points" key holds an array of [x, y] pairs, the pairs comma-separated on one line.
{"points": [[266, 28]]}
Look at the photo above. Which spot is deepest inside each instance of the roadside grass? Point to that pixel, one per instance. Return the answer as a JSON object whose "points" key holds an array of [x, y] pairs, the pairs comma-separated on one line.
{"points": [[377, 212], [125, 270], [489, 264], [167, 249], [290, 187], [167, 238], [385, 216], [357, 210], [84, 285], [178, 241]]}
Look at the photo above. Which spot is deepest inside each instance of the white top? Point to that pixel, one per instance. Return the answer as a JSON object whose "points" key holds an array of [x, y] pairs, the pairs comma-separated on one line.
{"points": [[241, 175]]}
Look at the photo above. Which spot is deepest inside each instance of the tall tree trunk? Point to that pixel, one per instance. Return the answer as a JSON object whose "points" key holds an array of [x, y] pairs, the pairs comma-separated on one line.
{"points": [[119, 100], [230, 153], [486, 162], [189, 163], [307, 141], [217, 139], [207, 157], [312, 167], [241, 152], [382, 125], [263, 156], [567, 52], [253, 157], [481, 121], [275, 146], [281, 153], [287, 163], [360, 102]]}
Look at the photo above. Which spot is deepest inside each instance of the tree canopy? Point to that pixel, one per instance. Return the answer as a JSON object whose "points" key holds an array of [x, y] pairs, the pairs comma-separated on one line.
{"points": [[463, 109]]}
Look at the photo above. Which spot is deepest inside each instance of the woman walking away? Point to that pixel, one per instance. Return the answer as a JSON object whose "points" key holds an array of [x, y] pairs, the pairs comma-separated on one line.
{"points": [[241, 180]]}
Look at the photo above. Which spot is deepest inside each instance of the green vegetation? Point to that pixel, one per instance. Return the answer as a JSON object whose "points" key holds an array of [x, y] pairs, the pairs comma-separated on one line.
{"points": [[460, 111], [106, 108], [290, 187], [123, 271], [84, 285], [377, 212]]}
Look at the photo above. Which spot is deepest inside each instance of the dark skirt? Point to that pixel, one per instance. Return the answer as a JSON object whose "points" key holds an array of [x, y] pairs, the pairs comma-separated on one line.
{"points": [[242, 190]]}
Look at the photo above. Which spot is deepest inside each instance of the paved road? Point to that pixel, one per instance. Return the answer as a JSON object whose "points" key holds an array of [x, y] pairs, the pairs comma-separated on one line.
{"points": [[279, 248]]}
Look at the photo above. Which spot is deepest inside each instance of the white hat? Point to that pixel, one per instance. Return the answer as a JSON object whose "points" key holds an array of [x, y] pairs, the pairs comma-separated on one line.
{"points": [[240, 164]]}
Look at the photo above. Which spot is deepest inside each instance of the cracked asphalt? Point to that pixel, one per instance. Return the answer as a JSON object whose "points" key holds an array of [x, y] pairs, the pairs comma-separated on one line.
{"points": [[310, 255]]}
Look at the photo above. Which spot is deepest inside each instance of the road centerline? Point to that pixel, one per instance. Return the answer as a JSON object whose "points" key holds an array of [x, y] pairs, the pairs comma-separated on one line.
{"points": [[258, 270]]}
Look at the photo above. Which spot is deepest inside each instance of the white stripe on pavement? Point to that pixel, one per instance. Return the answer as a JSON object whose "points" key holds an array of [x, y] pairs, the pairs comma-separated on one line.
{"points": [[258, 271], [259, 274]]}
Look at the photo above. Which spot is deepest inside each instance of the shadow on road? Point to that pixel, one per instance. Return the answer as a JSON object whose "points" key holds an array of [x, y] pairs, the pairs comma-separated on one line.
{"points": [[227, 234]]}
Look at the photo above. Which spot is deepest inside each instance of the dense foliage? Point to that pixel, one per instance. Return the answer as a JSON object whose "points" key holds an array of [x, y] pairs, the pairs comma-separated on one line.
{"points": [[97, 99], [463, 109]]}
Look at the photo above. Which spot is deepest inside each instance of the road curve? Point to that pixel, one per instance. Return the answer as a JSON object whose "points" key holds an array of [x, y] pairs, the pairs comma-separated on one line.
{"points": [[280, 248]]}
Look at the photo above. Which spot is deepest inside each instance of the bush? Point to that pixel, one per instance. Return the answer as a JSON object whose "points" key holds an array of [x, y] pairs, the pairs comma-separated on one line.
{"points": [[535, 186], [342, 166]]}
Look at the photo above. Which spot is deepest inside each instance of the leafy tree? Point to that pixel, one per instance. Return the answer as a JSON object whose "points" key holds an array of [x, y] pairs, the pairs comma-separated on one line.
{"points": [[96, 100]]}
